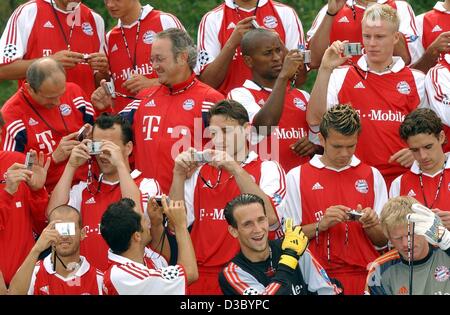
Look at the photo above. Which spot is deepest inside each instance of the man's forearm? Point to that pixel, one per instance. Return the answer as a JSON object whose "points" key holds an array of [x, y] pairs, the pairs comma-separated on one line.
{"points": [[128, 187], [15, 70], [61, 193], [317, 105], [426, 62], [320, 41], [177, 188], [159, 242], [186, 254], [376, 235], [20, 283]]}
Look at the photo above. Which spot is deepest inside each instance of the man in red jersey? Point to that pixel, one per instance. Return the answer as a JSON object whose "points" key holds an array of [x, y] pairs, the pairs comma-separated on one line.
{"points": [[66, 30], [45, 115], [129, 46], [434, 33], [428, 180], [133, 271], [337, 199], [116, 181], [165, 116], [220, 62], [341, 20], [23, 200], [63, 271], [380, 87], [231, 169], [437, 87], [275, 108]]}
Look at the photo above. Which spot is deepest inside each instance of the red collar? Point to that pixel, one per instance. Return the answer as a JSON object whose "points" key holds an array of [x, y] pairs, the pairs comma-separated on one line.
{"points": [[183, 86]]}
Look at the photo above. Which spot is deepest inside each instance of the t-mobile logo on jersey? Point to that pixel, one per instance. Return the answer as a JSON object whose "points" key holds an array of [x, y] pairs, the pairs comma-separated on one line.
{"points": [[216, 214], [289, 133], [45, 141], [144, 69], [384, 115], [150, 126], [318, 215]]}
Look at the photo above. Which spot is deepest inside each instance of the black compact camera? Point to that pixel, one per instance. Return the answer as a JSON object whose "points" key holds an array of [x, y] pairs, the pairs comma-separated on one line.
{"points": [[158, 200]]}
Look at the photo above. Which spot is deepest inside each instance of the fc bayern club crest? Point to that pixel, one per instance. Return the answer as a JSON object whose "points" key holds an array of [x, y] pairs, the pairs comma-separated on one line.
{"points": [[441, 273], [403, 88], [270, 21], [298, 102], [65, 109], [188, 104], [87, 28], [148, 37], [361, 186]]}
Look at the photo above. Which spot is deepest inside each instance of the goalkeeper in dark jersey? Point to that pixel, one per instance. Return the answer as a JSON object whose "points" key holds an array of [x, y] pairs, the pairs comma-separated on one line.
{"points": [[269, 267]]}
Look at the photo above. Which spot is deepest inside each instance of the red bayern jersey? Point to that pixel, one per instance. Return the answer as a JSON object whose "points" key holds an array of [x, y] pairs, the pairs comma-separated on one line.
{"points": [[85, 281], [155, 277], [408, 184], [291, 127], [214, 246], [121, 66], [313, 187], [433, 23], [382, 101], [92, 201], [33, 32], [437, 87], [20, 214], [29, 125], [217, 26], [167, 122], [347, 25]]}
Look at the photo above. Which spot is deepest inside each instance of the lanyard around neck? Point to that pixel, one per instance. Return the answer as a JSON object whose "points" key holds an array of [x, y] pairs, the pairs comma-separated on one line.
{"points": [[132, 59]]}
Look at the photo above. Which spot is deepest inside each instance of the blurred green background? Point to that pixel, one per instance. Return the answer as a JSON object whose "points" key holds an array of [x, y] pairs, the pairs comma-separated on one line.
{"points": [[190, 13]]}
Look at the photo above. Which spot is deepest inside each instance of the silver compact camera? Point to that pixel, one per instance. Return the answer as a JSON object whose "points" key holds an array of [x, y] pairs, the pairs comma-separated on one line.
{"points": [[94, 147], [86, 58], [255, 24], [65, 228], [29, 161], [306, 56], [202, 157], [352, 49], [354, 215], [110, 89], [158, 200]]}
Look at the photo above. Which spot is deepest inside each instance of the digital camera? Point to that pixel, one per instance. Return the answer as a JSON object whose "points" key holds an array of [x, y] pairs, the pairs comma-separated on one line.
{"points": [[354, 215], [255, 24], [65, 228], [110, 89], [94, 147], [352, 49], [86, 58], [158, 200], [306, 56], [202, 157], [29, 161], [82, 133]]}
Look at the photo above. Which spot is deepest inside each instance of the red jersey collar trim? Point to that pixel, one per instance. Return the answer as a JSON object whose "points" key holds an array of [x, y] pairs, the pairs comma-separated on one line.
{"points": [[439, 6], [415, 169], [63, 11], [317, 163], [146, 9], [398, 65], [84, 268], [30, 99], [230, 4], [121, 260], [178, 88]]}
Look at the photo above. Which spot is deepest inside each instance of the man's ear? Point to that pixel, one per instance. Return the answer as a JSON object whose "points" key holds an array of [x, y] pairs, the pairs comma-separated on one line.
{"points": [[248, 61], [397, 37], [129, 148], [183, 56], [83, 232], [321, 139], [233, 231]]}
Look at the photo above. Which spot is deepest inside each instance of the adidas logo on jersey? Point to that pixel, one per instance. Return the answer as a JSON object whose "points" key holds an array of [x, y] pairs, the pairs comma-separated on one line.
{"points": [[90, 201], [32, 122], [435, 29], [231, 26], [317, 186], [411, 193], [48, 24], [343, 19], [114, 48], [360, 85], [150, 103]]}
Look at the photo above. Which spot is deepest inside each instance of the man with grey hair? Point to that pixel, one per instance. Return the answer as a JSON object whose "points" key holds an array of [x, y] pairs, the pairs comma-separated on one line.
{"points": [[380, 87], [164, 116], [419, 262], [45, 114]]}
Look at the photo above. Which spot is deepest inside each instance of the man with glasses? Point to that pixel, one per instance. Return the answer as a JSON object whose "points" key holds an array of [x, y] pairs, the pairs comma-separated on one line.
{"points": [[209, 180], [45, 114], [65, 30]]}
